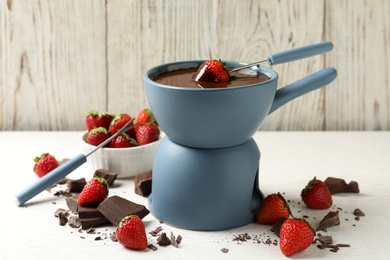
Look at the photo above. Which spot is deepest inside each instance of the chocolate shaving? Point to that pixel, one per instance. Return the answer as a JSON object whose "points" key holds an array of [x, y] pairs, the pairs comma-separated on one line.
{"points": [[331, 219], [179, 239], [155, 232], [173, 240]]}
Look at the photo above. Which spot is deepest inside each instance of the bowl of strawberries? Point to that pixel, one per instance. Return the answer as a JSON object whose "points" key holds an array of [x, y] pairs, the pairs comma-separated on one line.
{"points": [[127, 154]]}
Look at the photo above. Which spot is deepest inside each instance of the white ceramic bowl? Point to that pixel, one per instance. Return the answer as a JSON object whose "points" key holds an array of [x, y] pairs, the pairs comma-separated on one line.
{"points": [[126, 162]]}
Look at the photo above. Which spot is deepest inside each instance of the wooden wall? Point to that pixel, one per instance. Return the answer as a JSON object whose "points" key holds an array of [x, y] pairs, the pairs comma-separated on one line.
{"points": [[61, 58]]}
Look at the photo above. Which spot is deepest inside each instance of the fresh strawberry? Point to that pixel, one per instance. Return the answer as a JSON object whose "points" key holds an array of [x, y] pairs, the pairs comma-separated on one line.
{"points": [[95, 119], [97, 136], [316, 195], [147, 133], [273, 208], [94, 192], [295, 235], [118, 122], [213, 70], [130, 232], [123, 141], [145, 116], [44, 164]]}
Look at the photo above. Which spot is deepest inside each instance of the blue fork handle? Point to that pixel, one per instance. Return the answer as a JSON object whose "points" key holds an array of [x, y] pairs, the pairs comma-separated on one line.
{"points": [[299, 53], [50, 178]]}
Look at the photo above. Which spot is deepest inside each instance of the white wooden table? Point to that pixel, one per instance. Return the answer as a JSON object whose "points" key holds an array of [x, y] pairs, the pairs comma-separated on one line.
{"points": [[288, 161]]}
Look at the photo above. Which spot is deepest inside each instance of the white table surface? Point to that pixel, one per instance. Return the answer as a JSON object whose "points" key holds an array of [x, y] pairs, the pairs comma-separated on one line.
{"points": [[288, 161]]}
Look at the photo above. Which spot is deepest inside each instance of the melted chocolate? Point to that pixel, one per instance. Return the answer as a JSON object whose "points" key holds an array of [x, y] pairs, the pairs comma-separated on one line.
{"points": [[186, 78]]}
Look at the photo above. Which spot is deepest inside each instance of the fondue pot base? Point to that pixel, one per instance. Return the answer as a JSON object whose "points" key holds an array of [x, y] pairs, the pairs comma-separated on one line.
{"points": [[205, 189]]}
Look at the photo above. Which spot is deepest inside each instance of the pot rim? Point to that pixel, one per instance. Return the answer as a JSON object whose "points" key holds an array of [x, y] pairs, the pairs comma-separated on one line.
{"points": [[172, 66]]}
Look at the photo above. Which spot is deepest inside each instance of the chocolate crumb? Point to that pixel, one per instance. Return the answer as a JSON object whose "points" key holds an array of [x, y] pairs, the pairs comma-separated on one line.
{"points": [[224, 250], [98, 238], [358, 213], [163, 240], [153, 247]]}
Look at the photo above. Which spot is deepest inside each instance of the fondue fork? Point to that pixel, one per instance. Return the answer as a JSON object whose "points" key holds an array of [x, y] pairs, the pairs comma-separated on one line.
{"points": [[291, 55], [63, 170]]}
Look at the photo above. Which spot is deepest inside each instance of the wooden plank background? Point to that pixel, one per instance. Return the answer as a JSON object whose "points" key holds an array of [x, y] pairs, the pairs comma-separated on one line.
{"points": [[59, 59]]}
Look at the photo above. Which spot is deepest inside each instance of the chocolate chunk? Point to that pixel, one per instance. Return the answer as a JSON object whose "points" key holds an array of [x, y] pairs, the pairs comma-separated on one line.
{"points": [[63, 211], [115, 208], [277, 226], [72, 202], [93, 222], [89, 212], [337, 185], [143, 183], [358, 213], [62, 219], [352, 186], [74, 222], [76, 186], [163, 240], [109, 176], [331, 219]]}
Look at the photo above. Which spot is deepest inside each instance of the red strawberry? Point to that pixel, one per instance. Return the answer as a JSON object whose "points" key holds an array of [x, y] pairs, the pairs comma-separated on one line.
{"points": [[273, 208], [97, 136], [131, 233], [95, 119], [123, 141], [44, 164], [145, 116], [316, 195], [147, 133], [94, 192], [213, 70], [118, 122], [295, 235]]}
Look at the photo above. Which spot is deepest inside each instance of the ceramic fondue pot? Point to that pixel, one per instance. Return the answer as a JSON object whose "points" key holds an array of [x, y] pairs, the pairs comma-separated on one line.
{"points": [[221, 117]]}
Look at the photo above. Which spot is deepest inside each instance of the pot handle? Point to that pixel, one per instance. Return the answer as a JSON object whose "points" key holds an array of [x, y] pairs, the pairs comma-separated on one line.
{"points": [[314, 81]]}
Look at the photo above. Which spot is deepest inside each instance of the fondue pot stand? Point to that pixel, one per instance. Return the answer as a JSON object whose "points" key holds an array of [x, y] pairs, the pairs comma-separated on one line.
{"points": [[206, 169]]}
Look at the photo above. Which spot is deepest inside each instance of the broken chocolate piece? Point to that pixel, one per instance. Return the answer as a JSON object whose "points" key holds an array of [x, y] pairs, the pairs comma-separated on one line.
{"points": [[331, 219], [115, 208], [74, 222], [93, 222], [143, 183], [353, 187], [62, 219], [76, 186], [109, 176], [72, 202], [155, 232], [153, 247], [163, 240], [358, 213], [337, 185], [63, 211], [278, 225]]}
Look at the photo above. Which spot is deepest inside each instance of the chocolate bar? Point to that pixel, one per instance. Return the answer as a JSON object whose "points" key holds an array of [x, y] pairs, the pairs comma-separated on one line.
{"points": [[115, 208], [110, 177], [143, 183]]}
